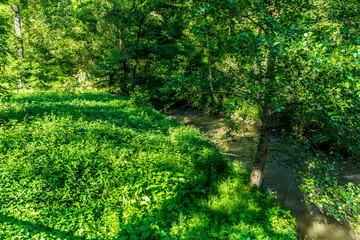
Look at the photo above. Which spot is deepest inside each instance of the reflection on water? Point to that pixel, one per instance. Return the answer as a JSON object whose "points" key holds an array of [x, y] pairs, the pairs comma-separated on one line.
{"points": [[241, 146], [353, 178]]}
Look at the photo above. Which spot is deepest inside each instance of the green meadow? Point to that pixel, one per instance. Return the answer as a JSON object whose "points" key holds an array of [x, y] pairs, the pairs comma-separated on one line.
{"points": [[96, 166]]}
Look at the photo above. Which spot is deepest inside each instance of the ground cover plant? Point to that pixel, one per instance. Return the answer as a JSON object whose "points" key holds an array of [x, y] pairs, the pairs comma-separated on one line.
{"points": [[96, 166]]}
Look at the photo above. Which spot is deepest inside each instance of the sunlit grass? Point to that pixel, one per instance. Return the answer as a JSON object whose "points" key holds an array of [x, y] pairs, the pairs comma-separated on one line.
{"points": [[232, 212]]}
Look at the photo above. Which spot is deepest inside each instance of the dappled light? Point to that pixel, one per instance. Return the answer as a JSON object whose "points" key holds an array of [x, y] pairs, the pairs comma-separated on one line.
{"points": [[92, 93], [85, 168]]}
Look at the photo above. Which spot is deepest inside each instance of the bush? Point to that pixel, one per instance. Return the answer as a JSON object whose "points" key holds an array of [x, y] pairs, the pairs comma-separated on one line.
{"points": [[243, 109], [139, 98], [321, 188]]}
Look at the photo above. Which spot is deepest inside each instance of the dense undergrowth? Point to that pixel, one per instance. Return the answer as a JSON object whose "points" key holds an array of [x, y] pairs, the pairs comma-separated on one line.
{"points": [[95, 166]]}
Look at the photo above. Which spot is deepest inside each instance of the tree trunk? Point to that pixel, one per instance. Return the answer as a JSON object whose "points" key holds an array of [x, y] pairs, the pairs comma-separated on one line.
{"points": [[17, 25], [229, 29], [256, 62], [210, 70], [265, 130], [121, 48], [263, 147], [132, 76], [126, 61]]}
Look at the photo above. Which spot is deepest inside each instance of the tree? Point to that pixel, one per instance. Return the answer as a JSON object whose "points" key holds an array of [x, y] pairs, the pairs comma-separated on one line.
{"points": [[17, 27], [264, 33], [3, 47]]}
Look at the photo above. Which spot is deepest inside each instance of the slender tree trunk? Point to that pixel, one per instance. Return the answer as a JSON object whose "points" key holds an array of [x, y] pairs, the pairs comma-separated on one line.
{"points": [[229, 30], [210, 69], [126, 61], [121, 43], [132, 76], [121, 48], [263, 147], [256, 62], [265, 130], [17, 26], [134, 72], [209, 63]]}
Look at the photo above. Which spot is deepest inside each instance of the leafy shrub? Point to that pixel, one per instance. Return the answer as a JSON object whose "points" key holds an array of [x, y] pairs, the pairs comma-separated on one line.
{"points": [[241, 108], [321, 188], [92, 166], [139, 97]]}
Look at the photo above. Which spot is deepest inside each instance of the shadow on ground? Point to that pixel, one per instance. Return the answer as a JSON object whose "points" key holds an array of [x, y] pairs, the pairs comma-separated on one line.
{"points": [[97, 168]]}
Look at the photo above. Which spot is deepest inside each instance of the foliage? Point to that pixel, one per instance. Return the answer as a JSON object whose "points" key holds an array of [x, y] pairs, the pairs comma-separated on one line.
{"points": [[3, 48], [243, 109], [117, 42], [139, 98], [321, 188], [268, 61], [328, 109], [92, 166]]}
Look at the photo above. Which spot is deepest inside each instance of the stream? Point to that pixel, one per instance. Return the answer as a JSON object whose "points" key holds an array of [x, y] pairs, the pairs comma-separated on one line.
{"points": [[277, 177]]}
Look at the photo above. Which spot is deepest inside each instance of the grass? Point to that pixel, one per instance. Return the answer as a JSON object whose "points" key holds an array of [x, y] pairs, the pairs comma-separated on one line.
{"points": [[95, 166]]}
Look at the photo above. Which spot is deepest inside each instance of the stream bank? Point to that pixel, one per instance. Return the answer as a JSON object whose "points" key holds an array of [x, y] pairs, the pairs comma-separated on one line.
{"points": [[277, 177]]}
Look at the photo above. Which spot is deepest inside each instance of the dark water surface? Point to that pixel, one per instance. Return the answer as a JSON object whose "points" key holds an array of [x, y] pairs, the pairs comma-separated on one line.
{"points": [[277, 177]]}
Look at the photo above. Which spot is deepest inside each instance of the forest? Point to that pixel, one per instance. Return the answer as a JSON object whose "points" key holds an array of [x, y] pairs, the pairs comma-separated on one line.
{"points": [[87, 152]]}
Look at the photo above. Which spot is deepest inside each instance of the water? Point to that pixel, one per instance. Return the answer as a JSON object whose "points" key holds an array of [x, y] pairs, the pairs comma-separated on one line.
{"points": [[277, 177]]}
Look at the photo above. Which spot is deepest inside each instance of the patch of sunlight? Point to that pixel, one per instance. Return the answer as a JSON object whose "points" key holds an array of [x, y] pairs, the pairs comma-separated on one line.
{"points": [[111, 221], [230, 195], [195, 221]]}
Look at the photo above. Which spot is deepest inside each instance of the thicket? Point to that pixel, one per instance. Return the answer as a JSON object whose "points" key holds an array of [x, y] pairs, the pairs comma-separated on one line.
{"points": [[96, 166]]}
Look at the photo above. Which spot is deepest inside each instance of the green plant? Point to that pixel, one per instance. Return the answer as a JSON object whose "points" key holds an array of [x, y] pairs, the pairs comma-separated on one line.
{"points": [[139, 97], [92, 166], [320, 187], [241, 108]]}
